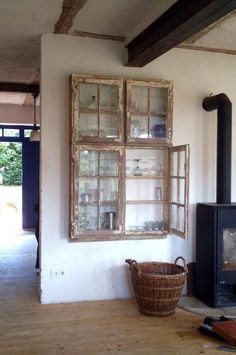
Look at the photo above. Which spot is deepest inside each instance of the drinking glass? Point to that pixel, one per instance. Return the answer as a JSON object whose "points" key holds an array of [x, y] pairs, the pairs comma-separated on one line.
{"points": [[137, 170]]}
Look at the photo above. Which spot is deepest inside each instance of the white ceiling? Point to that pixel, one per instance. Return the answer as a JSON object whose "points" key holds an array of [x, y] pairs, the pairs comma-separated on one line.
{"points": [[125, 18], [23, 21], [223, 37], [21, 24]]}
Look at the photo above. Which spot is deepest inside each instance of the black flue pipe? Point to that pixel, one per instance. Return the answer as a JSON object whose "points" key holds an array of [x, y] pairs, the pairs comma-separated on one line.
{"points": [[223, 105]]}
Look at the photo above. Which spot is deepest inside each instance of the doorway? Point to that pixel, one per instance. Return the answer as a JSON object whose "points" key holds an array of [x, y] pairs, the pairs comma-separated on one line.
{"points": [[19, 185], [10, 186], [19, 177]]}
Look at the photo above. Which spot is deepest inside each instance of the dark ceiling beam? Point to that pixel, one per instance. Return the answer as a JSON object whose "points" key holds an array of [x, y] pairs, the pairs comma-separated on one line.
{"points": [[70, 8], [181, 21], [19, 87]]}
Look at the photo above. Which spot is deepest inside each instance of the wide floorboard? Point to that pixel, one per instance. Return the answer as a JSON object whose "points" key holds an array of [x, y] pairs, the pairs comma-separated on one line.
{"points": [[86, 328]]}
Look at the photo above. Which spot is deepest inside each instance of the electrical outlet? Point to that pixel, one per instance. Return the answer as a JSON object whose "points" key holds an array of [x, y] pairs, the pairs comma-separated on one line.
{"points": [[57, 273]]}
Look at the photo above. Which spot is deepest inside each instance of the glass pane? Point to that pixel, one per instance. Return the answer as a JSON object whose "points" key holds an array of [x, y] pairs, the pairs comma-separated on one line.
{"points": [[174, 191], [177, 218], [88, 160], [11, 132], [229, 249], [88, 191], [108, 217], [174, 164], [144, 218], [139, 127], [180, 219], [88, 125], [108, 190], [182, 191], [139, 99], [182, 163], [158, 99], [109, 96], [88, 96], [27, 132], [173, 219], [109, 162], [0, 132], [108, 126], [158, 127], [88, 217]]}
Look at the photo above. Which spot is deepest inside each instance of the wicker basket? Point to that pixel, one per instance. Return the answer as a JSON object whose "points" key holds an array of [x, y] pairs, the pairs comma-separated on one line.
{"points": [[157, 286]]}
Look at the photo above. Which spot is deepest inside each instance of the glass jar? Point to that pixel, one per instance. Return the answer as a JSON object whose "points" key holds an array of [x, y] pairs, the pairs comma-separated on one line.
{"points": [[135, 129]]}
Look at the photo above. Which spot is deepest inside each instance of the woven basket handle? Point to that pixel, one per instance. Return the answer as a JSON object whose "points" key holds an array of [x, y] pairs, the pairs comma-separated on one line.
{"points": [[184, 262], [133, 263]]}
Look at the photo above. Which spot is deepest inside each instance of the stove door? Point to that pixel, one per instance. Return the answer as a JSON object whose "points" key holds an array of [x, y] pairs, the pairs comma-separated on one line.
{"points": [[226, 253]]}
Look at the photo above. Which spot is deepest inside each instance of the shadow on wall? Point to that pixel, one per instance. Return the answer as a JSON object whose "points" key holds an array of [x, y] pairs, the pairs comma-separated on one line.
{"points": [[119, 278]]}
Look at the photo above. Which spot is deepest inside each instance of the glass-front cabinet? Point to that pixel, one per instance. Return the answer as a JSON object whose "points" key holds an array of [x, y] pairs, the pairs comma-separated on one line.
{"points": [[149, 111], [97, 191], [146, 191], [154, 205], [127, 181], [97, 109]]}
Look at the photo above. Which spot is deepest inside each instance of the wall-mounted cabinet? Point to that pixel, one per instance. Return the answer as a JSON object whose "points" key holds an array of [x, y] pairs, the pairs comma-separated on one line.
{"points": [[97, 109], [149, 111], [97, 191], [132, 190]]}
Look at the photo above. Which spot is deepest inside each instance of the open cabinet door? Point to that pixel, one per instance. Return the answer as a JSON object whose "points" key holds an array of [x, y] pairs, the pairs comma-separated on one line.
{"points": [[179, 190]]}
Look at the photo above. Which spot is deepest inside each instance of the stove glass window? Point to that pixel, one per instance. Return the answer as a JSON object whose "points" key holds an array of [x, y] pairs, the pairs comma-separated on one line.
{"points": [[229, 249]]}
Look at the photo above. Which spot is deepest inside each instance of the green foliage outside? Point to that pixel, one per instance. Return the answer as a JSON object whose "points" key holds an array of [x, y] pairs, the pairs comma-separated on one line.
{"points": [[10, 163]]}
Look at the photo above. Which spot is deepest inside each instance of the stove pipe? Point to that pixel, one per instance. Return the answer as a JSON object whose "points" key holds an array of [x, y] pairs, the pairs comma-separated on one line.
{"points": [[223, 105]]}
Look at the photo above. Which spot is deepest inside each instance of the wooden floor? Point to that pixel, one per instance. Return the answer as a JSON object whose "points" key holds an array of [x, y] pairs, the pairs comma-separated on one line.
{"points": [[87, 328]]}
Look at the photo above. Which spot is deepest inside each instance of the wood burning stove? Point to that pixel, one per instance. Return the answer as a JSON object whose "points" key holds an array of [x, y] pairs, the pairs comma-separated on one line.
{"points": [[216, 254], [216, 222]]}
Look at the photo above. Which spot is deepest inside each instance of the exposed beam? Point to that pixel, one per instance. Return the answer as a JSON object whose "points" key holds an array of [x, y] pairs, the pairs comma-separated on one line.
{"points": [[179, 22], [19, 87], [70, 8], [99, 36], [210, 28], [207, 49]]}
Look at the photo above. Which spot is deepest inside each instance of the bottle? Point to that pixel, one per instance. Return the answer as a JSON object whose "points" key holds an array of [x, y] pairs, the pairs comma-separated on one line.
{"points": [[93, 102]]}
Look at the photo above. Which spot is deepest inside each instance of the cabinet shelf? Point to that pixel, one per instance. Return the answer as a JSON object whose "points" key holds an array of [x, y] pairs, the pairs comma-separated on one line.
{"points": [[88, 203], [146, 177], [98, 176], [145, 202], [146, 113], [99, 203], [108, 203], [95, 110], [177, 177]]}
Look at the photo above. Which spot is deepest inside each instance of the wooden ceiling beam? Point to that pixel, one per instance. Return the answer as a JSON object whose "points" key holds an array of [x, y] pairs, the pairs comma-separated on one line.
{"points": [[70, 8], [99, 36], [210, 28], [19, 87], [181, 21]]}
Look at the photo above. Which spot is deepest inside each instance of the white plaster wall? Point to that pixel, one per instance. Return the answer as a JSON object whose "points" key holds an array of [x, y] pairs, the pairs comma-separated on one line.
{"points": [[96, 270], [18, 114]]}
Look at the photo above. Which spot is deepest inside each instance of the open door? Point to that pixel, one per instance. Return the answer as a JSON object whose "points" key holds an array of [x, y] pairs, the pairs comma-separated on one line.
{"points": [[179, 186], [30, 183]]}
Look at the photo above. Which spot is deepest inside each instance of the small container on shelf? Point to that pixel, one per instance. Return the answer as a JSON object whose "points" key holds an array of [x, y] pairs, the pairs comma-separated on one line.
{"points": [[109, 220], [158, 193], [137, 170], [93, 102], [86, 197]]}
